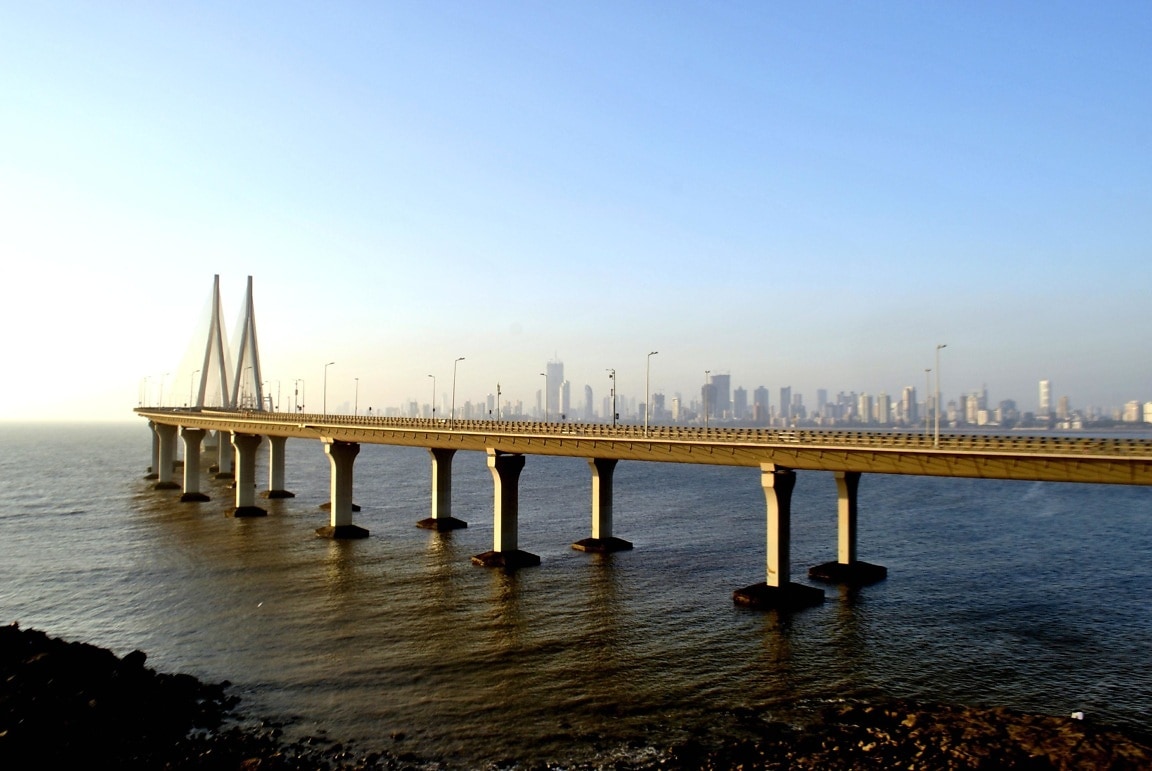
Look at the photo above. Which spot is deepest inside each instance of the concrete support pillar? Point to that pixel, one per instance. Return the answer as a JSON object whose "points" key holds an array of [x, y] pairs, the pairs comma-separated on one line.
{"points": [[192, 441], [166, 457], [441, 518], [225, 466], [778, 591], [246, 446], [342, 458], [152, 469], [506, 504], [847, 569], [602, 539], [276, 468]]}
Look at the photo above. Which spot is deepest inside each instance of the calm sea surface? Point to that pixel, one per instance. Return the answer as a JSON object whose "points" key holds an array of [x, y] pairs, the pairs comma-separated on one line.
{"points": [[1036, 596]]}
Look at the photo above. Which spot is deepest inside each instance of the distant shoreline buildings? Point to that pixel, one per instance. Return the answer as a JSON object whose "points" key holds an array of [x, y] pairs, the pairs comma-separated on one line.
{"points": [[719, 404]]}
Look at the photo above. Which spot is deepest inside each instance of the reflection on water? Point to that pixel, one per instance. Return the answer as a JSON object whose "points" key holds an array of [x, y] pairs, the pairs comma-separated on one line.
{"points": [[999, 593]]}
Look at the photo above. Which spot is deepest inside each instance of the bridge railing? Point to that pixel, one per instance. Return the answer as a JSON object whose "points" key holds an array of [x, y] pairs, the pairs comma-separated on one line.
{"points": [[1033, 445]]}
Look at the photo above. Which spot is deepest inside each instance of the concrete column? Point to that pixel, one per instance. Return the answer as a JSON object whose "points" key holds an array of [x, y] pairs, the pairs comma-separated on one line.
{"points": [[276, 468], [246, 446], [342, 458], [192, 440], [602, 540], [847, 569], [506, 503], [166, 457], [225, 467], [442, 518], [778, 591], [152, 470]]}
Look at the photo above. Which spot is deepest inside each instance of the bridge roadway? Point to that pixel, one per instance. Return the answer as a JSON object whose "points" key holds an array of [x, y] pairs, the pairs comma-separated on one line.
{"points": [[777, 453]]}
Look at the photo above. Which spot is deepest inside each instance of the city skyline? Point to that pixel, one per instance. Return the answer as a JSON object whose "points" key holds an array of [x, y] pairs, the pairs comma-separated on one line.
{"points": [[803, 196]]}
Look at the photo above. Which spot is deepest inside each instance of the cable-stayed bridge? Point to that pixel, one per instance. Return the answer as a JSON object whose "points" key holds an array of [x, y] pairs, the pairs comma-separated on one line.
{"points": [[778, 454]]}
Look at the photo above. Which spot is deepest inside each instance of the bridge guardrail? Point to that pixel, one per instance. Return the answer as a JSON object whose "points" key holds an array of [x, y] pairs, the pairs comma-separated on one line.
{"points": [[1056, 445]]}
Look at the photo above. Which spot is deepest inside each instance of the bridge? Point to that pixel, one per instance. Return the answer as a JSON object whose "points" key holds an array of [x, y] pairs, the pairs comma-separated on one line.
{"points": [[778, 454]]}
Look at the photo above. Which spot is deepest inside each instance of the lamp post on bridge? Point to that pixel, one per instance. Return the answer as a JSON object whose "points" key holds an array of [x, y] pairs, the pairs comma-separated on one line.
{"points": [[936, 440], [356, 400], [927, 394], [612, 377], [325, 405], [647, 390], [160, 396], [497, 402], [298, 391], [452, 418], [545, 376], [433, 396]]}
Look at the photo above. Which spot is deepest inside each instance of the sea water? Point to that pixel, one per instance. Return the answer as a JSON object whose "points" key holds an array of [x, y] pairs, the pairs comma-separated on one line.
{"points": [[1033, 596]]}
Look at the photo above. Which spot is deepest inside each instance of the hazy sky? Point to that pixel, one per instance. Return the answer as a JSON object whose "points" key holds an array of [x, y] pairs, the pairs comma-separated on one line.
{"points": [[809, 194]]}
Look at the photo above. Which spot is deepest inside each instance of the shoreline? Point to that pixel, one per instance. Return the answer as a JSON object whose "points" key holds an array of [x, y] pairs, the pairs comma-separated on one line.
{"points": [[73, 703]]}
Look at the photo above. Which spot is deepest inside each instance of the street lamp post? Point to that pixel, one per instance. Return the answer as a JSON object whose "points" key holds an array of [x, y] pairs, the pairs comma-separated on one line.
{"points": [[433, 396], [356, 399], [927, 395], [545, 376], [452, 417], [936, 439], [704, 396], [647, 390], [325, 405], [160, 397], [612, 377], [497, 401]]}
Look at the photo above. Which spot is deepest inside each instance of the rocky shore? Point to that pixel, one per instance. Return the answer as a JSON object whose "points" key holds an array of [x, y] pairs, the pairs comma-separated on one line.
{"points": [[68, 704]]}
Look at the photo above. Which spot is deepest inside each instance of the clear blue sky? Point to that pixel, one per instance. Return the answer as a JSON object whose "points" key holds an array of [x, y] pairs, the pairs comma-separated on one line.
{"points": [[804, 194]]}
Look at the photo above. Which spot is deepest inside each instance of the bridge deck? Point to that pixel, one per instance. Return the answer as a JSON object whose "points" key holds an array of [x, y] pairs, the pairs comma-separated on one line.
{"points": [[1036, 458]]}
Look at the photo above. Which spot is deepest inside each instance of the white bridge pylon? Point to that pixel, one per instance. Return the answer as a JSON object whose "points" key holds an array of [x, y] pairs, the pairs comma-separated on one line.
{"points": [[239, 388]]}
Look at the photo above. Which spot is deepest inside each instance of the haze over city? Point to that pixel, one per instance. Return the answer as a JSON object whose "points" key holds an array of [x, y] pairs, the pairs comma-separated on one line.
{"points": [[812, 196]]}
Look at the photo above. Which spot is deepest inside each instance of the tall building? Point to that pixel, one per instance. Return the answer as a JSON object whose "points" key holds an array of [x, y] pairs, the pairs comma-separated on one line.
{"points": [[883, 409], [909, 412], [1045, 398], [740, 404], [786, 403], [760, 411], [589, 411], [722, 408], [554, 371], [565, 400]]}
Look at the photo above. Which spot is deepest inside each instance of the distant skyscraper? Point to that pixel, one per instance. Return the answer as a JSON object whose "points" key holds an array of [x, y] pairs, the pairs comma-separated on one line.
{"points": [[760, 411], [589, 411], [740, 404], [555, 375], [723, 395], [565, 400], [786, 403], [1045, 398]]}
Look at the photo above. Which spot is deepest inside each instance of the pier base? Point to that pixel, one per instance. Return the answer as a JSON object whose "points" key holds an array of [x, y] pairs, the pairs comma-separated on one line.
{"points": [[508, 560], [602, 545], [194, 498], [327, 506], [273, 494], [442, 524], [341, 532], [852, 574], [247, 511], [788, 597]]}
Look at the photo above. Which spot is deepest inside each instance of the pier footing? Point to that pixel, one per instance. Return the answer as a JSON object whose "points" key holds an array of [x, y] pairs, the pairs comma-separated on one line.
{"points": [[341, 532], [166, 486], [194, 498], [442, 524], [602, 545], [506, 559], [327, 506], [788, 597], [249, 511], [271, 494], [852, 573]]}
